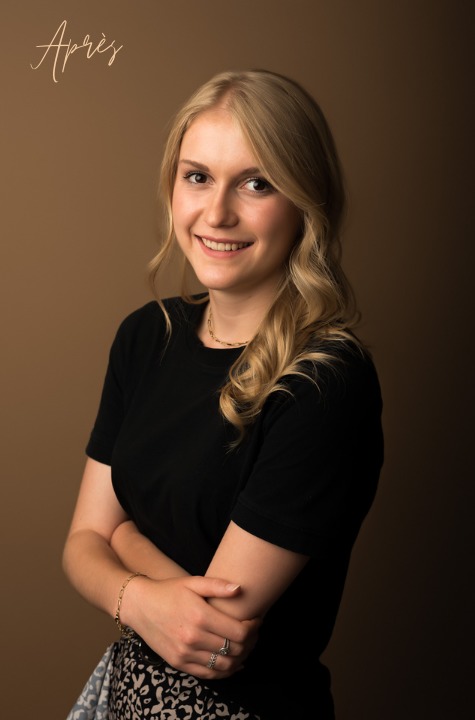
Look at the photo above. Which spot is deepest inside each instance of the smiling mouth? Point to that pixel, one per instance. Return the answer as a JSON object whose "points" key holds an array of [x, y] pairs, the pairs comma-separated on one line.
{"points": [[224, 246]]}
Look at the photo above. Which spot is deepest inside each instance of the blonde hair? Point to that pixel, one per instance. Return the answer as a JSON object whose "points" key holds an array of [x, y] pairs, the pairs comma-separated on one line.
{"points": [[293, 145]]}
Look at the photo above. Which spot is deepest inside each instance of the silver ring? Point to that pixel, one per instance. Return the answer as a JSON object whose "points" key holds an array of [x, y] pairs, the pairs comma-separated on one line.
{"points": [[225, 649], [212, 660]]}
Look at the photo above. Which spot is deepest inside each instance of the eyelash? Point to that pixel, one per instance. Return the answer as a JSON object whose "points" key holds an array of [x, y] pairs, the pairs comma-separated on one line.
{"points": [[268, 187]]}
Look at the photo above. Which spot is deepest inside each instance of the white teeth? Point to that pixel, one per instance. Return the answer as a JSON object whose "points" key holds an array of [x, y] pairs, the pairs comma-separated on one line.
{"points": [[223, 247]]}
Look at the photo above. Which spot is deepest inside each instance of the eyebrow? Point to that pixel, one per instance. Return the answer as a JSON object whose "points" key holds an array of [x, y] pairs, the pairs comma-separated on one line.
{"points": [[201, 166]]}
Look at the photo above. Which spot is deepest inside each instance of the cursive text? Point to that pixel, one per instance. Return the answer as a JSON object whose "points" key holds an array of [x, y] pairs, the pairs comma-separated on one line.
{"points": [[57, 45]]}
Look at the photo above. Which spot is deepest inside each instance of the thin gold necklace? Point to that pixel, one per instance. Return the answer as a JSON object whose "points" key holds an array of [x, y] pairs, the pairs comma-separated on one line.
{"points": [[222, 342]]}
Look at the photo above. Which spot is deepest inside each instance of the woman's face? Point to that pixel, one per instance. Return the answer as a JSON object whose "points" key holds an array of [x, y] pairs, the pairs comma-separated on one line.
{"points": [[234, 228]]}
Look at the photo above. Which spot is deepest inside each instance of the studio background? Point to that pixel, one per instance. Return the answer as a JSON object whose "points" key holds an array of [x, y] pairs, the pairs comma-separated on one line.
{"points": [[79, 168]]}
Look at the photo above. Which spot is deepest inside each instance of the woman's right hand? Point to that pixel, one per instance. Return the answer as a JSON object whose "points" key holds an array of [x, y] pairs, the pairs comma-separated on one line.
{"points": [[174, 618]]}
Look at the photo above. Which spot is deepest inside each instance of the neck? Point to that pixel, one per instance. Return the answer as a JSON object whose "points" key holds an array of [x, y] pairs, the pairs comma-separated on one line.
{"points": [[228, 324], [213, 336]]}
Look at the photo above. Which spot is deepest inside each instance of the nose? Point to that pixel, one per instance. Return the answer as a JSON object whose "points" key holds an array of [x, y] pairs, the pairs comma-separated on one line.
{"points": [[220, 209]]}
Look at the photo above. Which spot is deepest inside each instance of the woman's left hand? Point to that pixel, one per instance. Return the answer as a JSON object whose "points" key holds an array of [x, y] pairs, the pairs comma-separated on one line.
{"points": [[176, 621]]}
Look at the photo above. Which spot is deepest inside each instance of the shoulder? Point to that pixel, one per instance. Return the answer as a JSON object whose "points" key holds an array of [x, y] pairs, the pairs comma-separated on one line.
{"points": [[145, 315], [150, 318], [145, 329], [141, 337], [341, 368], [139, 331], [342, 386], [182, 312], [348, 372], [141, 323]]}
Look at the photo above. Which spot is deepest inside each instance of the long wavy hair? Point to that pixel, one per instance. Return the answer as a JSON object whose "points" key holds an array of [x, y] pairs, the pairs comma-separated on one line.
{"points": [[314, 304]]}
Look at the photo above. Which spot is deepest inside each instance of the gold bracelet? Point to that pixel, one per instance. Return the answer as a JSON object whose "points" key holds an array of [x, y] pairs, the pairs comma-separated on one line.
{"points": [[125, 631]]}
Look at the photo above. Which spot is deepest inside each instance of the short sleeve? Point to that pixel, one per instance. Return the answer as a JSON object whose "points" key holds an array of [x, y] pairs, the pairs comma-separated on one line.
{"points": [[134, 341], [319, 458], [111, 408]]}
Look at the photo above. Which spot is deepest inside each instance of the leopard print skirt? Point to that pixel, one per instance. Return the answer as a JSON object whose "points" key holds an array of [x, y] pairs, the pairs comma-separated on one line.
{"points": [[129, 684]]}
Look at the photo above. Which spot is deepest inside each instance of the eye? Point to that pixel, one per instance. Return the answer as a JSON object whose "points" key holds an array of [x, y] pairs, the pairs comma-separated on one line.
{"points": [[195, 177], [258, 185]]}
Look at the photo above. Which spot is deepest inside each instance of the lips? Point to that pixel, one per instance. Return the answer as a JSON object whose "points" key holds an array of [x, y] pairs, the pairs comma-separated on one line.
{"points": [[223, 245]]}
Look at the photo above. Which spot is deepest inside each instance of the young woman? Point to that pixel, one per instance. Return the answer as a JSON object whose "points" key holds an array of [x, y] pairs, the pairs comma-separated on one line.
{"points": [[238, 443]]}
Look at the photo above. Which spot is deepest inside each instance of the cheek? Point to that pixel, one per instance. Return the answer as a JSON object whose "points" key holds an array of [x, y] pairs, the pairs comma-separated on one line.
{"points": [[183, 209], [284, 225], [177, 205], [179, 199]]}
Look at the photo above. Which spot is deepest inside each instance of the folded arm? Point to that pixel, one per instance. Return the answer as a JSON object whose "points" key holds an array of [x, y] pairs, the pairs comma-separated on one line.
{"points": [[171, 613], [262, 570]]}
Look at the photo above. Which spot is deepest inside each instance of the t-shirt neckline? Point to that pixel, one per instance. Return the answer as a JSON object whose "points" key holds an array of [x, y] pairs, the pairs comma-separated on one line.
{"points": [[211, 358]]}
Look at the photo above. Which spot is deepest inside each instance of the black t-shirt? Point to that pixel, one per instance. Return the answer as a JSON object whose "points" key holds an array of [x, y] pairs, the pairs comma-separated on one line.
{"points": [[303, 478]]}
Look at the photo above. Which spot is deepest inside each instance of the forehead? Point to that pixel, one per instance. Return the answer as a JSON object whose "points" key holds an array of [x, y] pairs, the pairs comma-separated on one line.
{"points": [[216, 134]]}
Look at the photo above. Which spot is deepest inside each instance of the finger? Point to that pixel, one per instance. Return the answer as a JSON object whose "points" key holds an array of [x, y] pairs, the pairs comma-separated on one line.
{"points": [[214, 666], [212, 587], [221, 644], [223, 648]]}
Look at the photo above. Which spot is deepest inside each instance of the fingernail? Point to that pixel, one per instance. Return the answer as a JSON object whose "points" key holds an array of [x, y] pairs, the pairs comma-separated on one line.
{"points": [[230, 587]]}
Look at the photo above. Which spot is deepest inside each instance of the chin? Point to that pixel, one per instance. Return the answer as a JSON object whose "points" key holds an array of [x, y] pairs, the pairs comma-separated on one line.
{"points": [[216, 283]]}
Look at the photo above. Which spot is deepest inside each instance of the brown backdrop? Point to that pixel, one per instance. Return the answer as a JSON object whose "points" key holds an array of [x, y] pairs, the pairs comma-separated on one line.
{"points": [[79, 162]]}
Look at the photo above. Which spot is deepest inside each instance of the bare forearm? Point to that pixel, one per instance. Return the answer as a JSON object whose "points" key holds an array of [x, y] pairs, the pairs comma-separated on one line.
{"points": [[94, 569], [139, 554]]}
